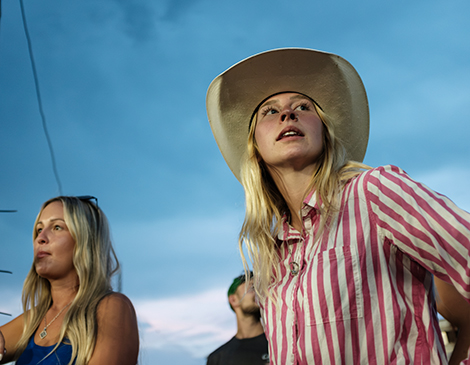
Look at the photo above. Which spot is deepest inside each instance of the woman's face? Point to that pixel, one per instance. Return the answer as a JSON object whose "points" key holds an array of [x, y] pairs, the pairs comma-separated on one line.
{"points": [[53, 246], [289, 132]]}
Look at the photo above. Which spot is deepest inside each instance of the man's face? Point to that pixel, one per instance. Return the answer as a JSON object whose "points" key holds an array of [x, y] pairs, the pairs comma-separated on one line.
{"points": [[246, 299]]}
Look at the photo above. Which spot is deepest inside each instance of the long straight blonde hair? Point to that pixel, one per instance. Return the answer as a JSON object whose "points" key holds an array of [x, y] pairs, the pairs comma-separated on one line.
{"points": [[265, 205], [94, 260]]}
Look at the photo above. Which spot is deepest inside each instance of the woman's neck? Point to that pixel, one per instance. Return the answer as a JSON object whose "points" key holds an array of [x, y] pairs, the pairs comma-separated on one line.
{"points": [[63, 292], [293, 185]]}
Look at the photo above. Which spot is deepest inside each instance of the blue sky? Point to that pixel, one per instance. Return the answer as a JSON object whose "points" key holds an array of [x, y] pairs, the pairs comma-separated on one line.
{"points": [[123, 87]]}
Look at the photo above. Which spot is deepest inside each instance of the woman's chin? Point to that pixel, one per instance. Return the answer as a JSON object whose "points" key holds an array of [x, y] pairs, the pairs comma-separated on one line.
{"points": [[41, 271]]}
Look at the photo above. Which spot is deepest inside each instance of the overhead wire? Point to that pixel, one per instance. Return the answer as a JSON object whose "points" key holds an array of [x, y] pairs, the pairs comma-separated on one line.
{"points": [[38, 95]]}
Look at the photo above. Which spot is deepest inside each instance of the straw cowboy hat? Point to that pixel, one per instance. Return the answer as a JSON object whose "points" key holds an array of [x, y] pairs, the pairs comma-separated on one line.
{"points": [[330, 80]]}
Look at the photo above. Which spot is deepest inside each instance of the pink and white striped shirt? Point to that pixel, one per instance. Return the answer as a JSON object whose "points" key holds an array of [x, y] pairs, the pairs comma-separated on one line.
{"points": [[363, 293]]}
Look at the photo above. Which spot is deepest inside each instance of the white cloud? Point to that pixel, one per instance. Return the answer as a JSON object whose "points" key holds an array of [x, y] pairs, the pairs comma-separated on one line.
{"points": [[197, 323]]}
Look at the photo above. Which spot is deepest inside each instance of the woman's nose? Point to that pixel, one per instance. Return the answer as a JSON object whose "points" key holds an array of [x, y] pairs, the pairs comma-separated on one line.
{"points": [[288, 114], [41, 238]]}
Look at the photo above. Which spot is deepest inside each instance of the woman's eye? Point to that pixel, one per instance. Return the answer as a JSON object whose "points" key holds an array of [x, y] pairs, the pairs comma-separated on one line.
{"points": [[268, 111], [39, 230], [57, 228], [303, 107]]}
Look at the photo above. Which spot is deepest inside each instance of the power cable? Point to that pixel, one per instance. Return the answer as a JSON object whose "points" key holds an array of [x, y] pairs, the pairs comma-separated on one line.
{"points": [[38, 95]]}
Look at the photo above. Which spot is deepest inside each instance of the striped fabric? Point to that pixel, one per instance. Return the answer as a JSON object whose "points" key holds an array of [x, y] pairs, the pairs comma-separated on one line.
{"points": [[363, 293]]}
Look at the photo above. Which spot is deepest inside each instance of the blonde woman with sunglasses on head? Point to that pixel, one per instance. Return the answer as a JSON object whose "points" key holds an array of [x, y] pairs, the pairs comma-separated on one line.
{"points": [[344, 256], [71, 315]]}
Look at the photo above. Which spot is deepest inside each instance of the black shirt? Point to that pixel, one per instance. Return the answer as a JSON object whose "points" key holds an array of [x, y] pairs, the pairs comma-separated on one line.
{"points": [[248, 351]]}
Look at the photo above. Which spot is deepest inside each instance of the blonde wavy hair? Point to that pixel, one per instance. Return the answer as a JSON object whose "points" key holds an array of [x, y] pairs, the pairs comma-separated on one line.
{"points": [[265, 205], [95, 262]]}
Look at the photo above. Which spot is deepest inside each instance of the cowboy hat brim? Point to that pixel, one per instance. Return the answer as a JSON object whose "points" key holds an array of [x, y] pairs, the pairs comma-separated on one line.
{"points": [[328, 79]]}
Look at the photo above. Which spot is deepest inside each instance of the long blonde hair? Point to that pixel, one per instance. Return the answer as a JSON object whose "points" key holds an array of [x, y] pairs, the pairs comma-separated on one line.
{"points": [[95, 262], [265, 205]]}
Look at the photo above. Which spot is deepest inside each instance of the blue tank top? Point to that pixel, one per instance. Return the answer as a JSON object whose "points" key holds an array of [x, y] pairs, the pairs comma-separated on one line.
{"points": [[33, 354]]}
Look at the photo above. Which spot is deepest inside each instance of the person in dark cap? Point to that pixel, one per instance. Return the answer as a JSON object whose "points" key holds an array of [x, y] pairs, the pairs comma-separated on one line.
{"points": [[249, 345]]}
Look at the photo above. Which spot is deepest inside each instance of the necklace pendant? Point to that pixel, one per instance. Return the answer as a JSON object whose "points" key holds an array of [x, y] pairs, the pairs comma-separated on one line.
{"points": [[294, 268], [43, 334]]}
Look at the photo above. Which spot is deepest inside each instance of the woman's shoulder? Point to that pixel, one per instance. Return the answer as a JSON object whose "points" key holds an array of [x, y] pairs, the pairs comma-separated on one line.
{"points": [[385, 169], [115, 303], [375, 179], [15, 326], [116, 316], [115, 299], [380, 172]]}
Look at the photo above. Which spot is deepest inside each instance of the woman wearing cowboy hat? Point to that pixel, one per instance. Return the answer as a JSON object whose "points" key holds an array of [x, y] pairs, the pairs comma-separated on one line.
{"points": [[343, 255]]}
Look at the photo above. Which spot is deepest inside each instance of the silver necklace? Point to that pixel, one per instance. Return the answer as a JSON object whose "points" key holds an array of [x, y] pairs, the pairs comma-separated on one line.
{"points": [[43, 334]]}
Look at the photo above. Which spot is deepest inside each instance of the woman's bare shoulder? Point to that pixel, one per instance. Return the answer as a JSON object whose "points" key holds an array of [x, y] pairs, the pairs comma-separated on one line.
{"points": [[115, 303], [16, 322], [116, 316]]}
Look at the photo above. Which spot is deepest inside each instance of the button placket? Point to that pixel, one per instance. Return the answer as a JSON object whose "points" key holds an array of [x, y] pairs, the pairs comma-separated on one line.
{"points": [[295, 264]]}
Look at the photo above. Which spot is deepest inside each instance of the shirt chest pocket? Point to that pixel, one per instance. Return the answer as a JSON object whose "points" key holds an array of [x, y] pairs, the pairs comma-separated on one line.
{"points": [[332, 287]]}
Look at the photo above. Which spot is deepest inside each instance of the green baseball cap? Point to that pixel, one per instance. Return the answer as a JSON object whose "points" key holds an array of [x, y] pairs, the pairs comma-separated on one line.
{"points": [[239, 280]]}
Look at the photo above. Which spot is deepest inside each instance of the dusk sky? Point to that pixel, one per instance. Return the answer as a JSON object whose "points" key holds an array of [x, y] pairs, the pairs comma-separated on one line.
{"points": [[123, 87]]}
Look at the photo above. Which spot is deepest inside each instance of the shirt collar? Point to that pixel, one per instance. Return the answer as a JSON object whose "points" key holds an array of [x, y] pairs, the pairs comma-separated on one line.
{"points": [[311, 206]]}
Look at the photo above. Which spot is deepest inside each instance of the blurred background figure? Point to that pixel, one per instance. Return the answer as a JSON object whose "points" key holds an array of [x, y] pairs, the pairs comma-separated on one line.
{"points": [[249, 345], [449, 335]]}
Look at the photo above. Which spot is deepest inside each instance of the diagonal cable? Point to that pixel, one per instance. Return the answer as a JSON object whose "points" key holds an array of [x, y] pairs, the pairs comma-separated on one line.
{"points": [[38, 94]]}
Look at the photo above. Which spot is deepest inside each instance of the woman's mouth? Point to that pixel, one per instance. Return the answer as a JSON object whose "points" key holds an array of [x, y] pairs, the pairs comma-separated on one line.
{"points": [[42, 254], [290, 132]]}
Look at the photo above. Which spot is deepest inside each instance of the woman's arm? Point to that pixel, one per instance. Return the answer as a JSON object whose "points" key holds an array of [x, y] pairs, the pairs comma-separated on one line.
{"points": [[453, 307], [117, 341], [10, 334]]}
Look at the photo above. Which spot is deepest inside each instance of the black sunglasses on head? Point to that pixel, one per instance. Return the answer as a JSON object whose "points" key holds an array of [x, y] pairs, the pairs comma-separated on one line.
{"points": [[87, 198]]}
